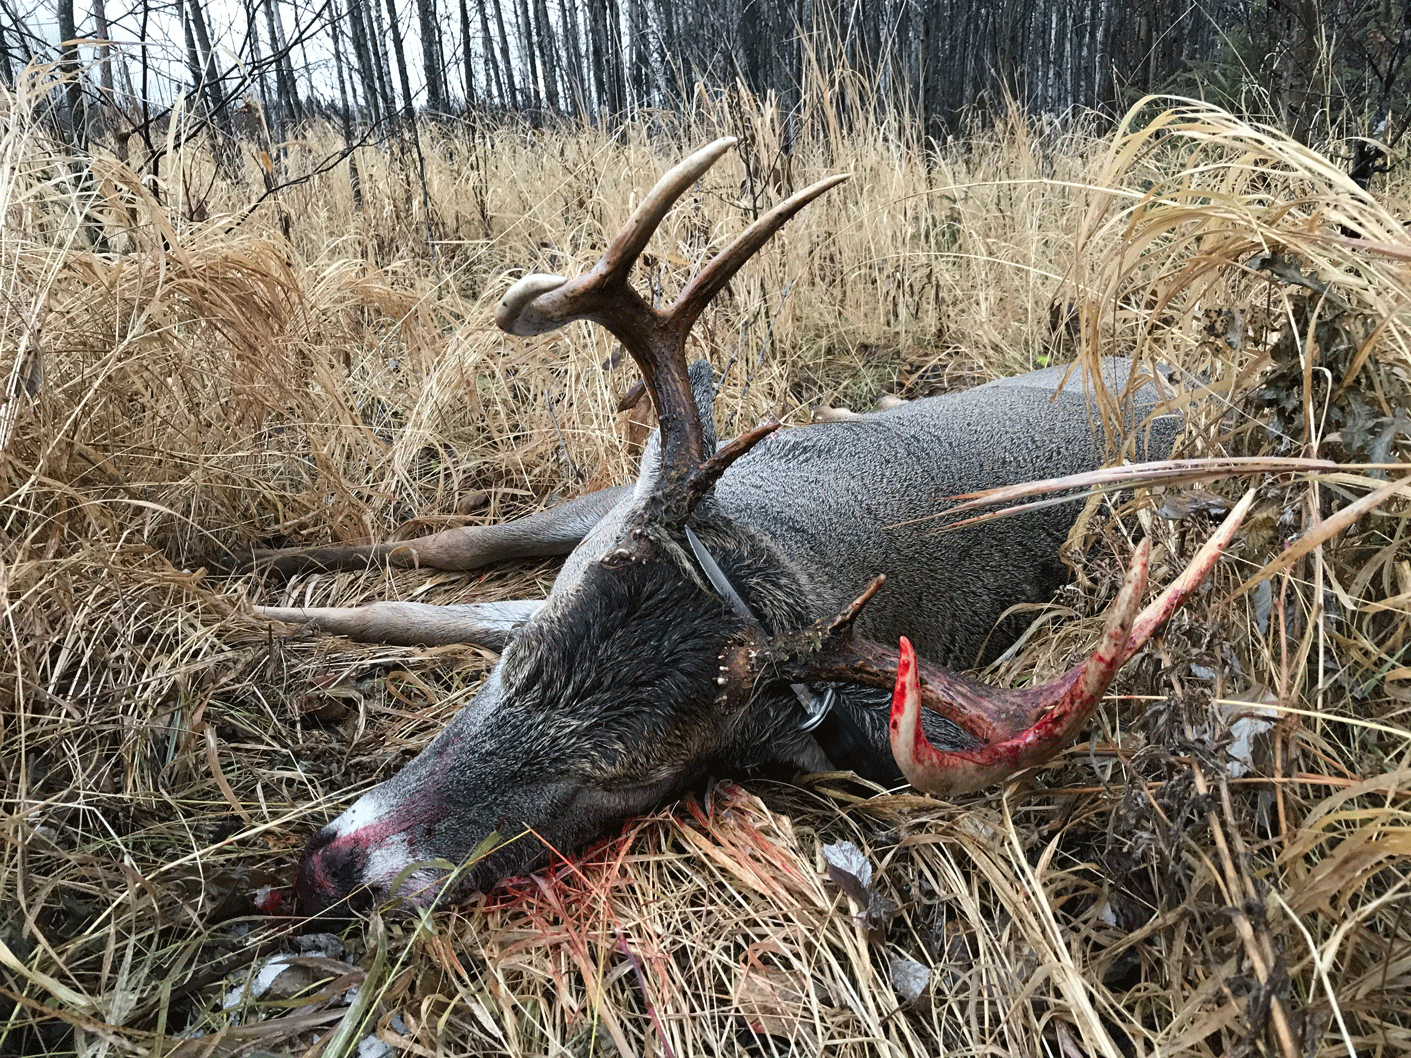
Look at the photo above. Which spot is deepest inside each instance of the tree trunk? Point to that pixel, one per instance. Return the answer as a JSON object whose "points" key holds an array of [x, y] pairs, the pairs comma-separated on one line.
{"points": [[105, 61], [7, 72], [597, 32], [468, 57], [531, 53], [548, 55], [507, 64], [574, 47], [367, 69], [430, 54], [210, 75], [395, 35], [354, 177], [255, 58], [68, 66], [617, 66], [492, 68], [639, 45], [289, 108], [377, 34]]}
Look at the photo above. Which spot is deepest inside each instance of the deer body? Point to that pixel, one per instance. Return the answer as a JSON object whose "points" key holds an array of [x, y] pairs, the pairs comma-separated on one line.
{"points": [[639, 672], [842, 502], [799, 526]]}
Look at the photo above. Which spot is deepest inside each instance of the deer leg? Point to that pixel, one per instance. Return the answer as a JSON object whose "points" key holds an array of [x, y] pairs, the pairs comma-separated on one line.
{"points": [[487, 624], [555, 531]]}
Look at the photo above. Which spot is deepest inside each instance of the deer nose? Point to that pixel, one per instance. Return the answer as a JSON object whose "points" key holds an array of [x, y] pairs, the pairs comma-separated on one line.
{"points": [[330, 873]]}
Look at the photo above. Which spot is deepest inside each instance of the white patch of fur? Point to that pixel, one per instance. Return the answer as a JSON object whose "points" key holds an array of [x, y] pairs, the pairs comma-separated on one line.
{"points": [[367, 809], [496, 616], [386, 862], [388, 859]]}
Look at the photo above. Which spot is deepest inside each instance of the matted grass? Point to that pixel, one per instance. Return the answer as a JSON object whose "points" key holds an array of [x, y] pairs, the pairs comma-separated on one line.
{"points": [[186, 379]]}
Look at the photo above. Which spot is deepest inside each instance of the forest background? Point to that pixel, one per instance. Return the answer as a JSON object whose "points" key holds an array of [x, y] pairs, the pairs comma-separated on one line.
{"points": [[248, 267]]}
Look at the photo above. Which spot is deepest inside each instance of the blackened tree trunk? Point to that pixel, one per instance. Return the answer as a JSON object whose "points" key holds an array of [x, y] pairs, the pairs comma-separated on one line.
{"points": [[395, 35], [670, 50], [531, 53], [574, 47], [597, 34], [548, 55], [193, 57], [377, 36], [354, 177], [506, 63], [210, 74], [640, 54], [492, 68], [258, 67], [7, 71], [613, 67], [288, 107], [367, 70]]}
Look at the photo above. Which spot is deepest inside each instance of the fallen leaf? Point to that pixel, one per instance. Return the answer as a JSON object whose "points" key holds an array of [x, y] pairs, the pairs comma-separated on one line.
{"points": [[909, 978]]}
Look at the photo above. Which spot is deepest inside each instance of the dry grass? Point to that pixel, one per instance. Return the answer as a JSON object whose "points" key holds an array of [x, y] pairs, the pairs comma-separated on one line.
{"points": [[186, 379]]}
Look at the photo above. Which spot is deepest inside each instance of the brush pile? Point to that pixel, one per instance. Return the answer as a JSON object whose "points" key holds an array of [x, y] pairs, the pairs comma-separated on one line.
{"points": [[1221, 868]]}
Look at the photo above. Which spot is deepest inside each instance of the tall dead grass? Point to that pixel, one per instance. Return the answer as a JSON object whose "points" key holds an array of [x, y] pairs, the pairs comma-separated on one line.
{"points": [[187, 377]]}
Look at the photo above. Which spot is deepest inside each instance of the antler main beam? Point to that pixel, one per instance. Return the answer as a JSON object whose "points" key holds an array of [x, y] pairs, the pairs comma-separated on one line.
{"points": [[1058, 709], [1017, 728], [1062, 705], [655, 338]]}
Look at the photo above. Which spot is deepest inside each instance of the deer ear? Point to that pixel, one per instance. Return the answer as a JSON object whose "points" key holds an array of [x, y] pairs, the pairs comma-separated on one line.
{"points": [[703, 388]]}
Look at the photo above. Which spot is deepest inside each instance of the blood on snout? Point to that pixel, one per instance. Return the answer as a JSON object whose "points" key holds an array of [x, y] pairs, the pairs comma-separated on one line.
{"points": [[330, 872]]}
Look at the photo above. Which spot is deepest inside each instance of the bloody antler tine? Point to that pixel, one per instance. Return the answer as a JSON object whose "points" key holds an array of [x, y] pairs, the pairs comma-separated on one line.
{"points": [[1102, 664], [910, 746], [1017, 727], [1163, 606], [960, 771]]}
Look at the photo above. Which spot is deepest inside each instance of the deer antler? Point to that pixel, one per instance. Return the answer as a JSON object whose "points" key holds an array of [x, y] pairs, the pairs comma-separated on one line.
{"points": [[656, 338], [1016, 728]]}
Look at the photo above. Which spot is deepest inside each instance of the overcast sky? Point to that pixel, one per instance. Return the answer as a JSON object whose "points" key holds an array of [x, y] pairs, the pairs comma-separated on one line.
{"points": [[226, 20]]}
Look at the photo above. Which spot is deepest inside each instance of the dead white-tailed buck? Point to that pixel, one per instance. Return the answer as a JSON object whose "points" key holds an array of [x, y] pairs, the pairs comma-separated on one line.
{"points": [[711, 617]]}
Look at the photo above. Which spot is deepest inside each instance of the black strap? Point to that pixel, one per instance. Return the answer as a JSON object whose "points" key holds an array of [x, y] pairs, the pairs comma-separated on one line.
{"points": [[840, 736]]}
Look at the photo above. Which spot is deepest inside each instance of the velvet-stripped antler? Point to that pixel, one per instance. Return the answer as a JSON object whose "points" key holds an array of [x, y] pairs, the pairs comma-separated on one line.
{"points": [[656, 338], [1016, 728]]}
